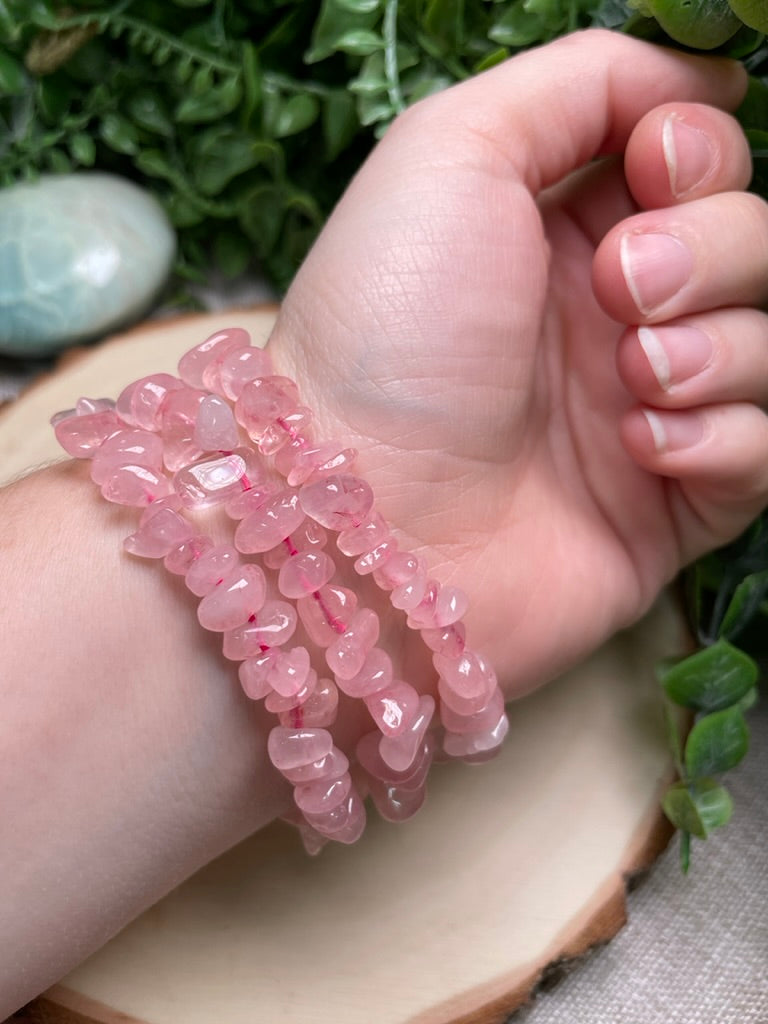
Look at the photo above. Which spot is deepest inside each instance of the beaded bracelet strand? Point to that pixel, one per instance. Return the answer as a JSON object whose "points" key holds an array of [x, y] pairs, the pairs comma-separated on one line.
{"points": [[173, 445]]}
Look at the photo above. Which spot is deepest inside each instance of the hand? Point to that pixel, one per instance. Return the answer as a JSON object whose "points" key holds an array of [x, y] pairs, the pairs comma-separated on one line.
{"points": [[461, 320]]}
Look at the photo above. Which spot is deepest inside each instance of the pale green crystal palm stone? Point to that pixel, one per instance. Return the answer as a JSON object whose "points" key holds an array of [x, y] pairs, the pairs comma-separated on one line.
{"points": [[80, 254]]}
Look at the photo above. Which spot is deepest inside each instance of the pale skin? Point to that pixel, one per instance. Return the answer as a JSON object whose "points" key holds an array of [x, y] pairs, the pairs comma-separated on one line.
{"points": [[466, 320]]}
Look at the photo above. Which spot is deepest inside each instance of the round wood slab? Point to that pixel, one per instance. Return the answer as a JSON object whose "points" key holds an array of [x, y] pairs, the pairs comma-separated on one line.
{"points": [[453, 917]]}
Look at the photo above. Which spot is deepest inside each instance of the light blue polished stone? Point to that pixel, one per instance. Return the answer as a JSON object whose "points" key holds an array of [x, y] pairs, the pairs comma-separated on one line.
{"points": [[80, 254]]}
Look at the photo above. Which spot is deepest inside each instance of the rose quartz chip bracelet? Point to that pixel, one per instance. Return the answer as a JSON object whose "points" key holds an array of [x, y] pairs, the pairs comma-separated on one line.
{"points": [[171, 445]]}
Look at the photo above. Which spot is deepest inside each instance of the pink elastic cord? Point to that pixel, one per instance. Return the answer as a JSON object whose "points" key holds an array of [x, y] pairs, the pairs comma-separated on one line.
{"points": [[174, 445]]}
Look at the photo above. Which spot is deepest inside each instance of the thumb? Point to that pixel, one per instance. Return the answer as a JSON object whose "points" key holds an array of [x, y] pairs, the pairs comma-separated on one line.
{"points": [[552, 109]]}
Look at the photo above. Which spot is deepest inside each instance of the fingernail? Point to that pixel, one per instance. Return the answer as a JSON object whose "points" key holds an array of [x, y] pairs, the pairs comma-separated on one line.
{"points": [[675, 354], [655, 267], [688, 154], [674, 431]]}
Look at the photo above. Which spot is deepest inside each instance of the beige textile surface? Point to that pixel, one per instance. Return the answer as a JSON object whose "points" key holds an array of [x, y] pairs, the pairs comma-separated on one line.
{"points": [[695, 949]]}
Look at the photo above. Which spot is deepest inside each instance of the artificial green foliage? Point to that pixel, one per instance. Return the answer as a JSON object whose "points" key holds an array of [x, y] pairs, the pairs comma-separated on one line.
{"points": [[247, 118]]}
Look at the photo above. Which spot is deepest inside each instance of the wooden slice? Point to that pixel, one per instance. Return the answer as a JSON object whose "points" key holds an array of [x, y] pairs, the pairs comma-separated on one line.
{"points": [[452, 917]]}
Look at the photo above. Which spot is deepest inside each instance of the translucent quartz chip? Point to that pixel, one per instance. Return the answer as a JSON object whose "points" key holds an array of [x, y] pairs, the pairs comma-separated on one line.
{"points": [[337, 502], [375, 675], [322, 794], [312, 841], [82, 436], [134, 446], [275, 520], [332, 766], [319, 710], [276, 703], [215, 426], [135, 485], [273, 626], [159, 535], [326, 614], [345, 823], [211, 568], [181, 559], [254, 674], [193, 364], [318, 460], [237, 367], [234, 600], [364, 537], [61, 415], [370, 759], [400, 752], [471, 744], [466, 683], [346, 655], [394, 708], [139, 404], [84, 406], [252, 499], [305, 573], [366, 563], [264, 401], [397, 570], [172, 502], [288, 673], [290, 748], [480, 721], [293, 426], [178, 415], [423, 615], [452, 604], [447, 640], [310, 536], [409, 594], [396, 804], [216, 479]]}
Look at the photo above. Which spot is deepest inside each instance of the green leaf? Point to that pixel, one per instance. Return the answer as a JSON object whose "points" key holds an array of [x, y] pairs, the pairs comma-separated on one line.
{"points": [[154, 163], [339, 122], [372, 109], [748, 701], [219, 154], [716, 743], [147, 109], [289, 116], [262, 215], [360, 6], [710, 679], [744, 604], [119, 134], [359, 42], [516, 27], [182, 212], [13, 78], [55, 94], [213, 104], [232, 252], [334, 23], [58, 161], [252, 84], [444, 20], [82, 148], [491, 59], [699, 808]]}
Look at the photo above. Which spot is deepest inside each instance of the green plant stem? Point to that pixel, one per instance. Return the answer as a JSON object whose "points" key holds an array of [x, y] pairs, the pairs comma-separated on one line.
{"points": [[391, 72]]}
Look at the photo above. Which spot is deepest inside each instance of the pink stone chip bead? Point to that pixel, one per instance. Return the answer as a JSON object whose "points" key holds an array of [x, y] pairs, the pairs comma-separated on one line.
{"points": [[192, 365], [343, 824], [400, 752], [253, 499], [181, 559], [275, 520], [293, 426], [305, 573], [288, 673], [316, 460], [130, 446], [346, 655], [178, 415], [448, 640], [254, 673], [401, 567], [210, 568], [141, 403], [319, 710], [332, 766], [480, 721], [326, 614], [215, 426], [472, 744], [237, 367], [337, 502], [322, 795], [159, 535], [277, 703], [376, 558], [85, 406], [233, 601], [466, 683], [82, 436], [272, 626], [216, 479], [374, 675], [290, 748], [364, 537], [393, 708], [264, 401], [136, 485]]}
